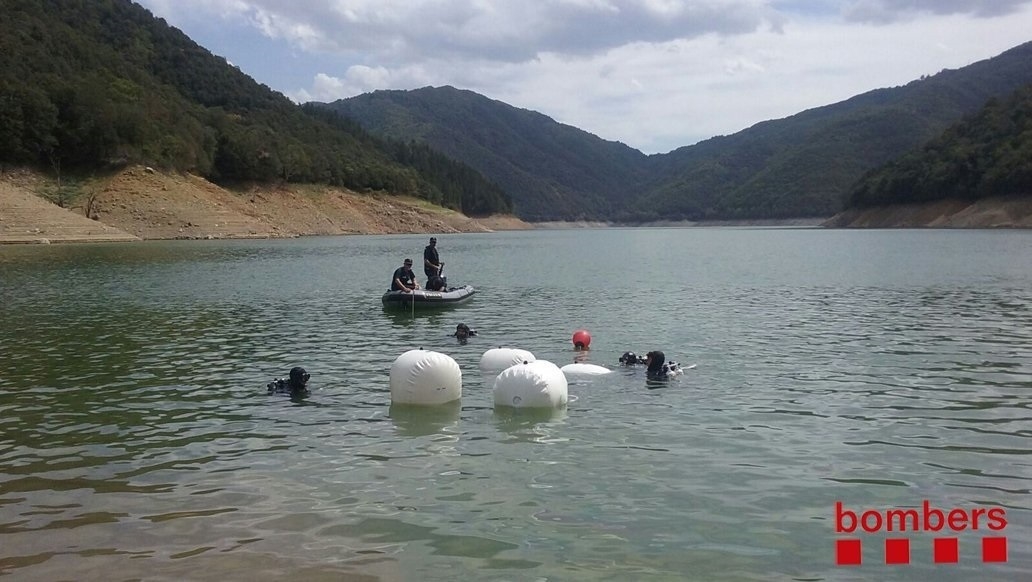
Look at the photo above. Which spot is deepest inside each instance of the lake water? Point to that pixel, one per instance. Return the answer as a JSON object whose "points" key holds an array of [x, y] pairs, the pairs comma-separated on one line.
{"points": [[880, 369]]}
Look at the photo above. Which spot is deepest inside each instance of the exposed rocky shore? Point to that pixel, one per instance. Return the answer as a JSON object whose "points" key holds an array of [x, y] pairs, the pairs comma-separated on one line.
{"points": [[1011, 212], [140, 203]]}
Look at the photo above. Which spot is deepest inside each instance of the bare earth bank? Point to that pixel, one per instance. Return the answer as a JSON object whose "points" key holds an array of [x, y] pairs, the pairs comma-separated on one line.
{"points": [[1000, 212], [772, 222], [140, 203]]}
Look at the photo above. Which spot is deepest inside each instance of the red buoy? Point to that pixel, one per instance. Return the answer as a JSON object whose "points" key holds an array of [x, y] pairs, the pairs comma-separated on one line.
{"points": [[581, 339]]}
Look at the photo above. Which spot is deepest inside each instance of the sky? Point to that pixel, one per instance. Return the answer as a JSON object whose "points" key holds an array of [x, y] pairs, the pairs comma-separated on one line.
{"points": [[653, 74]]}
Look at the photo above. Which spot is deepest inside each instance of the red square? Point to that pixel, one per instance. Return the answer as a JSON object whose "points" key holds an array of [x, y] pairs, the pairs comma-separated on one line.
{"points": [[897, 551], [994, 549], [946, 550], [848, 552]]}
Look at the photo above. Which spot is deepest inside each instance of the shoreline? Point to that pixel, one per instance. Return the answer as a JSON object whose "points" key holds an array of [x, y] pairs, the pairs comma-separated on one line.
{"points": [[140, 203], [765, 222]]}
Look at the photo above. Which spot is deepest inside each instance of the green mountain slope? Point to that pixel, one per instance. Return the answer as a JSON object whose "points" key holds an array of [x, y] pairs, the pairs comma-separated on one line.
{"points": [[551, 170], [88, 86], [987, 154], [803, 165]]}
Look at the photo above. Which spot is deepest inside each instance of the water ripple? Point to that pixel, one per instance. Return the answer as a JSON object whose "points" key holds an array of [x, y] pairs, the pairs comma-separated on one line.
{"points": [[136, 436]]}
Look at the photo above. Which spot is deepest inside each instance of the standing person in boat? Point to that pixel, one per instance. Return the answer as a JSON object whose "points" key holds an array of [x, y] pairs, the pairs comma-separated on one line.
{"points": [[432, 264], [404, 279]]}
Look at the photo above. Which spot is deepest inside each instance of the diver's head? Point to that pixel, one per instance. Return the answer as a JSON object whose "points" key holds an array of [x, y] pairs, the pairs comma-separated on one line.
{"points": [[462, 331], [655, 360], [299, 378], [628, 359]]}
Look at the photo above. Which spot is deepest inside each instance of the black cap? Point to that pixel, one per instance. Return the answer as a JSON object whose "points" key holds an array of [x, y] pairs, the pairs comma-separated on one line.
{"points": [[433, 239], [408, 261]]}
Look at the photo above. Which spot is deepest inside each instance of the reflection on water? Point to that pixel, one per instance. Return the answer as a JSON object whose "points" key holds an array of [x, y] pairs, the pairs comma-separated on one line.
{"points": [[413, 420], [137, 438], [531, 425]]}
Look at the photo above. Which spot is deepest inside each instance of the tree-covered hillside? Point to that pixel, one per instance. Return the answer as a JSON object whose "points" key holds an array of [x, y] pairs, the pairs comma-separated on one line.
{"points": [[91, 85], [988, 154], [87, 86], [552, 171], [805, 165]]}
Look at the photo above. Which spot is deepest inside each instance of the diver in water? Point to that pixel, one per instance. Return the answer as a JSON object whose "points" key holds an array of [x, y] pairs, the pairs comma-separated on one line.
{"points": [[463, 332], [295, 385], [630, 359], [659, 368]]}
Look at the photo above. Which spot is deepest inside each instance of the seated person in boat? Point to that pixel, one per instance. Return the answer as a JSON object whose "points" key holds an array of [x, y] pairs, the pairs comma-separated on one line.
{"points": [[404, 279], [437, 283]]}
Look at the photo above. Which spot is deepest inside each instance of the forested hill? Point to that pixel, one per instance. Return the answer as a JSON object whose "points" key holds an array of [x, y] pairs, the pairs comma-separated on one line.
{"points": [[803, 165], [87, 86], [988, 154], [553, 171]]}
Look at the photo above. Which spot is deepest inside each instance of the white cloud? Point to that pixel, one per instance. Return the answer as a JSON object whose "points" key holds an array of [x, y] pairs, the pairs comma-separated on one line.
{"points": [[655, 74], [359, 79], [399, 30], [883, 11]]}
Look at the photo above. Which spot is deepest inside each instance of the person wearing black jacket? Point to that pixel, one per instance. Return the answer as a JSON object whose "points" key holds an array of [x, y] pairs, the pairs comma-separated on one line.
{"points": [[432, 264], [404, 279]]}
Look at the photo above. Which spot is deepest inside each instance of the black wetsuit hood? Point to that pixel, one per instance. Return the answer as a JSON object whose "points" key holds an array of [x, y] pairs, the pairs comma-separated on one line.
{"points": [[656, 360], [296, 384]]}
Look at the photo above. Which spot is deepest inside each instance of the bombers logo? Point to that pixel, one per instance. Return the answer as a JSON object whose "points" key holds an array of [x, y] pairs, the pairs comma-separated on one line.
{"points": [[989, 521]]}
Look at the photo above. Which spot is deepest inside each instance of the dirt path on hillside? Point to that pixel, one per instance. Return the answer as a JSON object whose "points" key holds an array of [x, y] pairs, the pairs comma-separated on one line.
{"points": [[140, 203]]}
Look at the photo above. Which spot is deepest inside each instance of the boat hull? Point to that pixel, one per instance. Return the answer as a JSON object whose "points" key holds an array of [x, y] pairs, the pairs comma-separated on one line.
{"points": [[423, 299]]}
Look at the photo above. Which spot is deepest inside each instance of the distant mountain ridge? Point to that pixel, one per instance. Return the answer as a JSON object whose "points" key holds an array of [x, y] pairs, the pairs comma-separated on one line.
{"points": [[551, 170], [90, 87], [800, 166]]}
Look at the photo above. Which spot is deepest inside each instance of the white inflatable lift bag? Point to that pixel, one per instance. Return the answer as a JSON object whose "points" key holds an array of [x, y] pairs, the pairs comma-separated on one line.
{"points": [[538, 384], [423, 377], [585, 370], [497, 359]]}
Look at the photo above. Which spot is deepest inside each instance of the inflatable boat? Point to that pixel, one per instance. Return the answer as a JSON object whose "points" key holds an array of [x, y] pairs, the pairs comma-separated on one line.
{"points": [[422, 299]]}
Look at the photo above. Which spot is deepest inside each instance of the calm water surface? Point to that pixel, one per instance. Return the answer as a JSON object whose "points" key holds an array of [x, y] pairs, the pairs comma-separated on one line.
{"points": [[876, 368]]}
